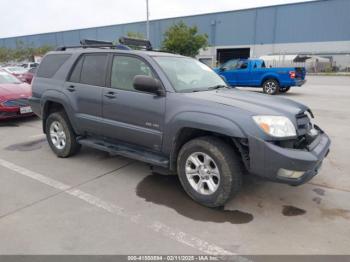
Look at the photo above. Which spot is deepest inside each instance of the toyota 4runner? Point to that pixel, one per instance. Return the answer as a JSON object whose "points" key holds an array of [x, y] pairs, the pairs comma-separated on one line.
{"points": [[176, 114]]}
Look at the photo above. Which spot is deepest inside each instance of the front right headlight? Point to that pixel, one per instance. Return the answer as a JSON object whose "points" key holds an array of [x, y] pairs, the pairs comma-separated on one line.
{"points": [[276, 126]]}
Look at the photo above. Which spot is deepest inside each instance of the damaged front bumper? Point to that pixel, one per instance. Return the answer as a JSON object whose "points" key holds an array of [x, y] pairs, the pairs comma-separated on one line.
{"points": [[287, 165]]}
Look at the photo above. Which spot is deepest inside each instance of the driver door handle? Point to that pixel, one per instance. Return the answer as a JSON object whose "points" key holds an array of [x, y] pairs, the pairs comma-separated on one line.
{"points": [[71, 88], [111, 95]]}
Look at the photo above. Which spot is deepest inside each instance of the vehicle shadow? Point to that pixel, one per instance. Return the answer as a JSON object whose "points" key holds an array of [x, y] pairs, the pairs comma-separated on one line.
{"points": [[16, 122], [289, 94]]}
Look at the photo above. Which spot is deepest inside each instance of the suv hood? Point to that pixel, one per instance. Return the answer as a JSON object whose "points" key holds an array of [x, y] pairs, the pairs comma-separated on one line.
{"points": [[256, 104]]}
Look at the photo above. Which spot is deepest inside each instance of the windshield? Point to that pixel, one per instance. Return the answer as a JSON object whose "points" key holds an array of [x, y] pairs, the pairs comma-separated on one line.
{"points": [[188, 74], [6, 78]]}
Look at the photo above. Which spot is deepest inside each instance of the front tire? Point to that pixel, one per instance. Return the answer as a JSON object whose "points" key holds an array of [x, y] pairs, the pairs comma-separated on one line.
{"points": [[60, 135], [271, 87], [209, 170]]}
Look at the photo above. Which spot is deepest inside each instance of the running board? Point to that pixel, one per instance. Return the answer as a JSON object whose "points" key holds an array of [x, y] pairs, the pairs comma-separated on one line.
{"points": [[126, 151]]}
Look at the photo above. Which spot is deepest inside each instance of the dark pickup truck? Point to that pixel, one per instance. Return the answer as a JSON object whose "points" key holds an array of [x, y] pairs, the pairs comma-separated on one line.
{"points": [[254, 73], [176, 114]]}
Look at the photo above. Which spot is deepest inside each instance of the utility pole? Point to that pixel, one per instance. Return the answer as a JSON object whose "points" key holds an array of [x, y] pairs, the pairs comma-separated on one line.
{"points": [[147, 23]]}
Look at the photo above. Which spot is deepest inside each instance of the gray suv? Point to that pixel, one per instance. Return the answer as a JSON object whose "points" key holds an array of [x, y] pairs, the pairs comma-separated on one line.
{"points": [[176, 114]]}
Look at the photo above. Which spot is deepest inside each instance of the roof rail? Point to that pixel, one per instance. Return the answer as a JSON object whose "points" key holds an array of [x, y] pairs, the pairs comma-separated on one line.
{"points": [[86, 42], [128, 41], [125, 42]]}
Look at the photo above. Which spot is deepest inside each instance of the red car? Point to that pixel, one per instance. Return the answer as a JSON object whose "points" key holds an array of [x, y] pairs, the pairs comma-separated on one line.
{"points": [[27, 77], [14, 97], [14, 70]]}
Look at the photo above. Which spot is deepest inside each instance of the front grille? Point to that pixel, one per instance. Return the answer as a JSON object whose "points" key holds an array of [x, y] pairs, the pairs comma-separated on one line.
{"points": [[16, 102], [303, 123]]}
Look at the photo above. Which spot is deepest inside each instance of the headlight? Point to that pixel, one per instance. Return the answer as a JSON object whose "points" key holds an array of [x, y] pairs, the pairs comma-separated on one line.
{"points": [[277, 126]]}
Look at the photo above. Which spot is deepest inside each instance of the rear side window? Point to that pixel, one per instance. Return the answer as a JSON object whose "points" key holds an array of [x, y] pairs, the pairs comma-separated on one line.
{"points": [[75, 75], [93, 70], [50, 65]]}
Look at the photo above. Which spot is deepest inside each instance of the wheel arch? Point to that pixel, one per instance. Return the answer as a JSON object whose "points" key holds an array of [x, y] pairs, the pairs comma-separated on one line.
{"points": [[187, 133], [268, 77], [51, 104]]}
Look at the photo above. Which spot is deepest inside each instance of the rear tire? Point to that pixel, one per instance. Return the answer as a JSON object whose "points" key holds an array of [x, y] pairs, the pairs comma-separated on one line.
{"points": [[60, 135], [209, 170], [284, 89], [271, 87]]}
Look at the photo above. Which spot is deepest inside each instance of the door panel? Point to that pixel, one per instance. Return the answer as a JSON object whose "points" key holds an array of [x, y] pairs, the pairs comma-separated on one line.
{"points": [[229, 72], [243, 71], [132, 116], [86, 102], [84, 91]]}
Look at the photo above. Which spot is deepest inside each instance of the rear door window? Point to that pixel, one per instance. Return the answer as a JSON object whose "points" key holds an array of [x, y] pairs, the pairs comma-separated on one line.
{"points": [[75, 74], [93, 70]]}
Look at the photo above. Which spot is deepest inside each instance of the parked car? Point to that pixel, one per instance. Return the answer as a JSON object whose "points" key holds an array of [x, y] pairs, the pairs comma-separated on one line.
{"points": [[29, 66], [176, 114], [254, 73], [14, 96], [16, 71], [27, 77]]}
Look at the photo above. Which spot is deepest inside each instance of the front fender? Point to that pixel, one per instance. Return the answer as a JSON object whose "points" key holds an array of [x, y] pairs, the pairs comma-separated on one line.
{"points": [[201, 121]]}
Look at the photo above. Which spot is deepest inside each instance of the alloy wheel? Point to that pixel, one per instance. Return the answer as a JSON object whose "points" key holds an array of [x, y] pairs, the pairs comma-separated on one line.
{"points": [[57, 135], [202, 173]]}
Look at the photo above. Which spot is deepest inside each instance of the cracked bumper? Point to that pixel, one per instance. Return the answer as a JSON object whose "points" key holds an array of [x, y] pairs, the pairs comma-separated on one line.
{"points": [[266, 159]]}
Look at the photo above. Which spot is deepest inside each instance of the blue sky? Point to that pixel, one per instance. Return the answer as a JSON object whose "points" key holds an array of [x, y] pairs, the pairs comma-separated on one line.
{"points": [[23, 17]]}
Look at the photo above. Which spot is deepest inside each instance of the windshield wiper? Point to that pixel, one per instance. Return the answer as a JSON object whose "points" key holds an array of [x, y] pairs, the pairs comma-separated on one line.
{"points": [[217, 87]]}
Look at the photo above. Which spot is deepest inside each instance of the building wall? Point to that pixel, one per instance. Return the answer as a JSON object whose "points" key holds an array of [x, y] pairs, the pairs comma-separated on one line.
{"points": [[318, 26], [340, 50], [318, 21]]}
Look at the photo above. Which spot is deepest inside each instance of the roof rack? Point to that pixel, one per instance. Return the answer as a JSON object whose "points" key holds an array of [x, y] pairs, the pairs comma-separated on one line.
{"points": [[128, 41], [125, 42], [89, 42]]}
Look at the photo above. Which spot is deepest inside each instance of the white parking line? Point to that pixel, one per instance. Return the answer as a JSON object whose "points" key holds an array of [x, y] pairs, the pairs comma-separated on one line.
{"points": [[156, 226], [39, 135]]}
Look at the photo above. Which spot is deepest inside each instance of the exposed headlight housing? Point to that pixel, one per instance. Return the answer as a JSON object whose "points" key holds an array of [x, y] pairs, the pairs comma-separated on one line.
{"points": [[276, 126]]}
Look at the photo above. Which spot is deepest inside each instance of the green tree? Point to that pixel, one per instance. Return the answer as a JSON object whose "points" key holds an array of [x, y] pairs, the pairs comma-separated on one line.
{"points": [[184, 40], [136, 35], [22, 52], [42, 50], [5, 54]]}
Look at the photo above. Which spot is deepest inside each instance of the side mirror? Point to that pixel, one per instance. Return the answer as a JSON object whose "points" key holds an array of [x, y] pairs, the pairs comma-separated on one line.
{"points": [[148, 84], [224, 68]]}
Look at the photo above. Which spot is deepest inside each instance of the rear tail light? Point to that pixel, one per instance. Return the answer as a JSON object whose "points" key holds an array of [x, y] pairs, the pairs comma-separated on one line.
{"points": [[292, 74]]}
